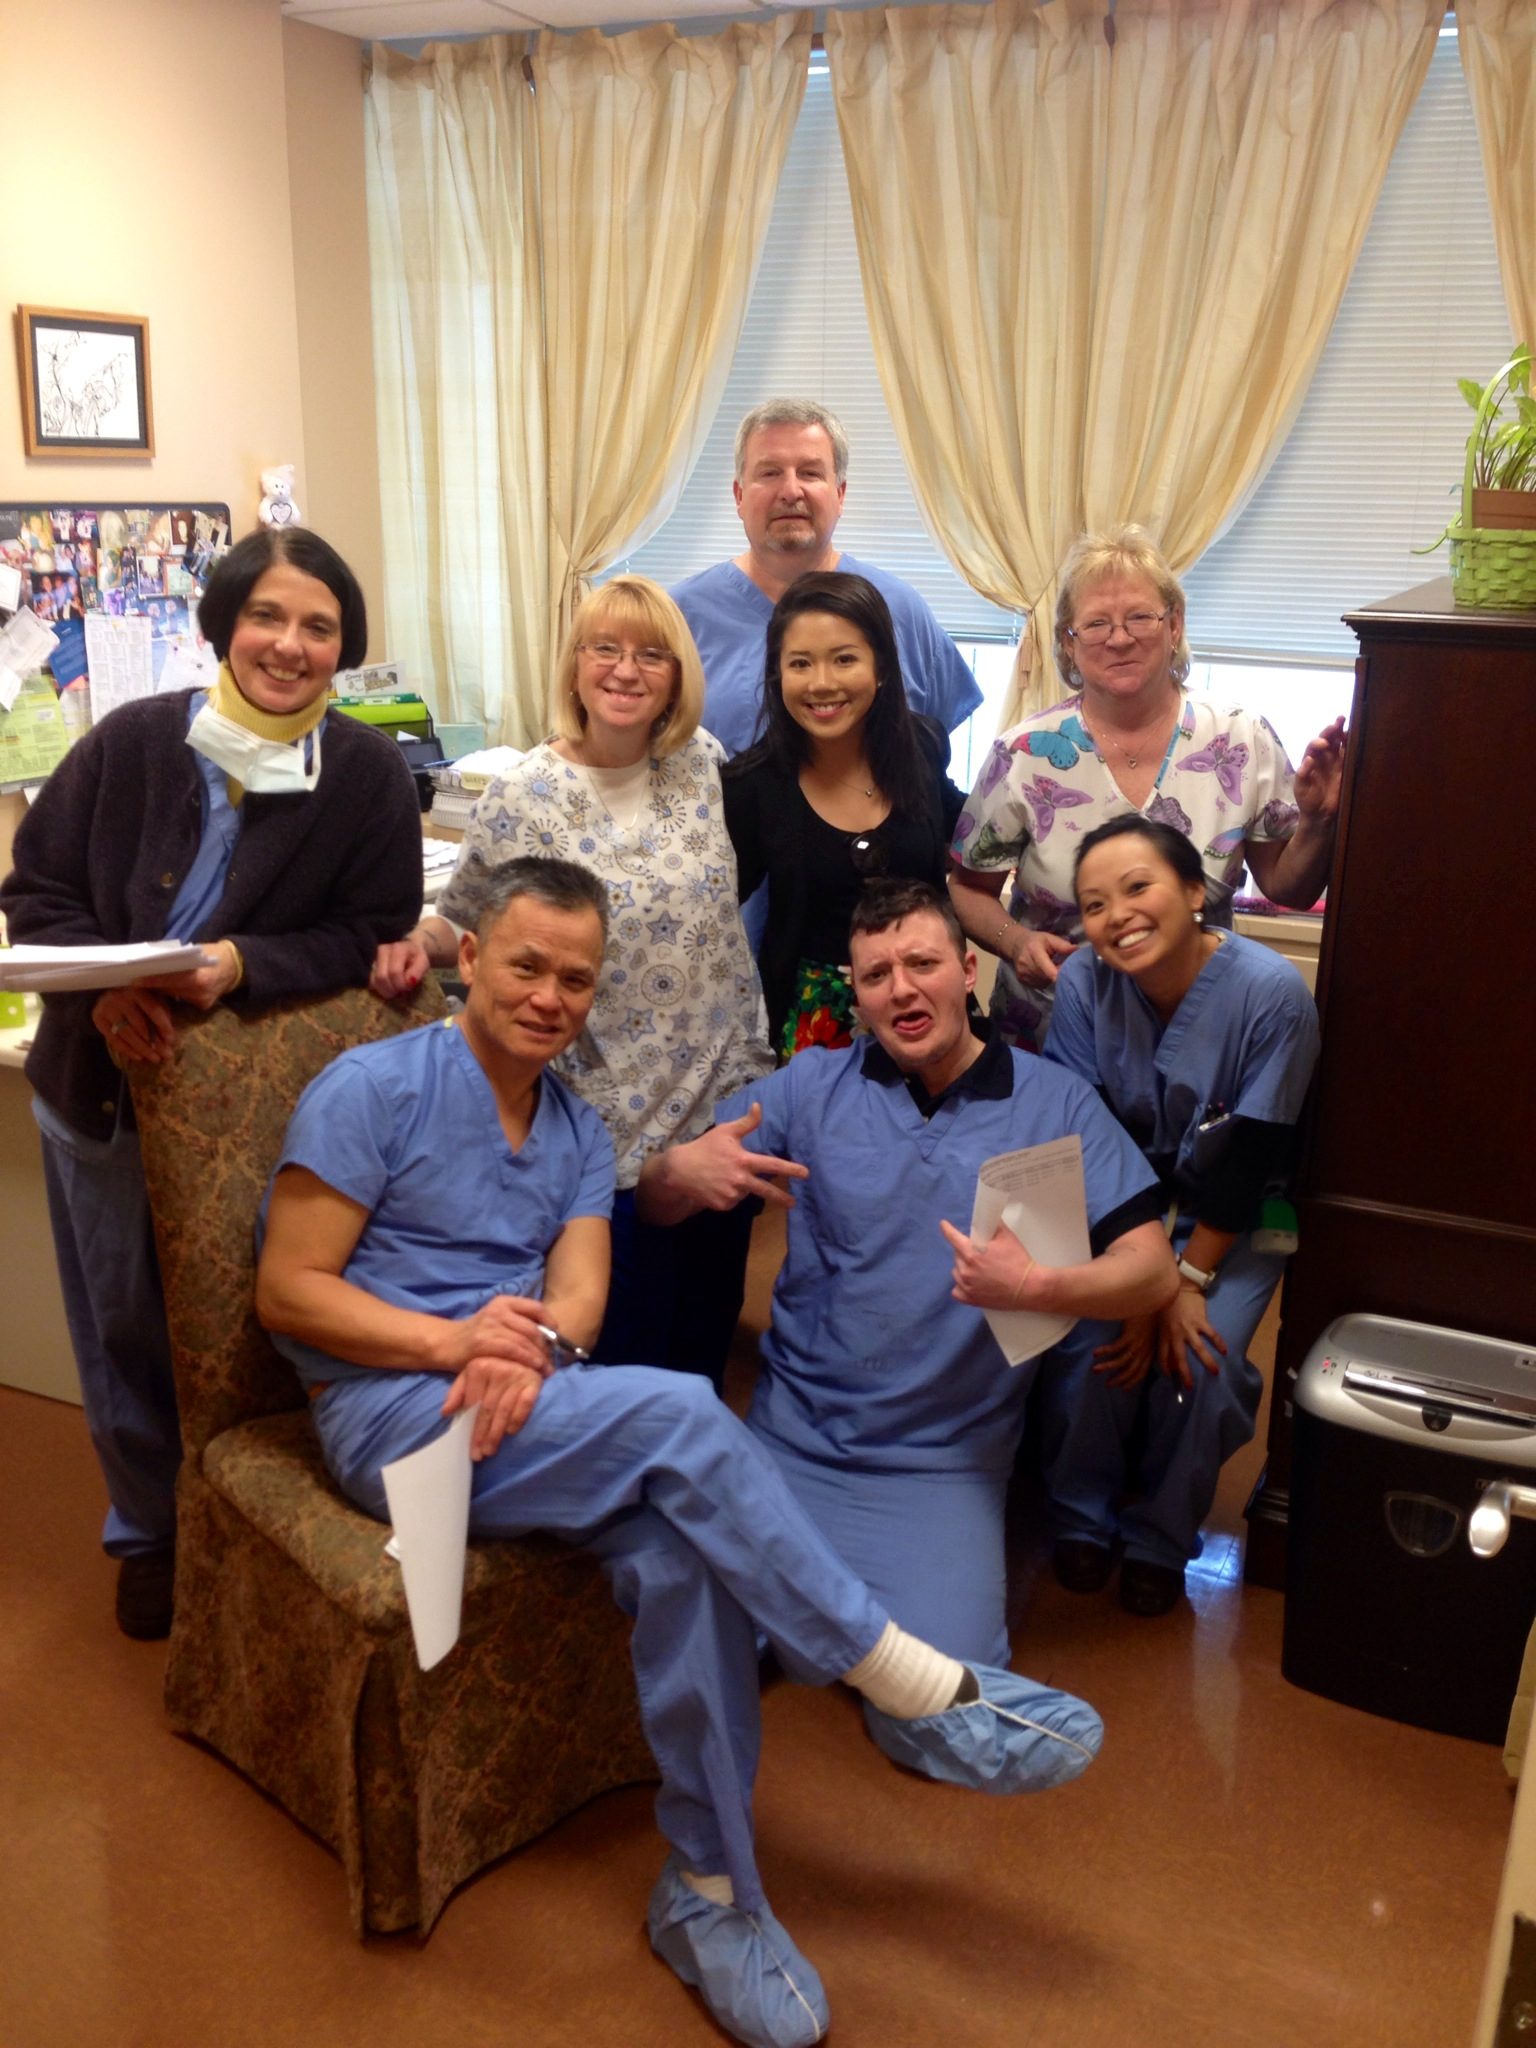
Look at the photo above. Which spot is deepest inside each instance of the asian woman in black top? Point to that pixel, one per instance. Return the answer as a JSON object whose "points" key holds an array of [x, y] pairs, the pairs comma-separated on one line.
{"points": [[846, 783]]}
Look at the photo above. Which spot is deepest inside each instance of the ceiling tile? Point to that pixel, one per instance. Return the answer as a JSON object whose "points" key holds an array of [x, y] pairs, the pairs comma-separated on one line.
{"points": [[410, 17]]}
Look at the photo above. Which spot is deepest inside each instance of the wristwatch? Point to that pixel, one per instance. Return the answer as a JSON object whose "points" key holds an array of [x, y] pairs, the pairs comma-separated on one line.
{"points": [[1195, 1277]]}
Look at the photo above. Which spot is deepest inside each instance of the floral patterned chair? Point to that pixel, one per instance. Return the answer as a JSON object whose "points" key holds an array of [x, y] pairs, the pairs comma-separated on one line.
{"points": [[291, 1653]]}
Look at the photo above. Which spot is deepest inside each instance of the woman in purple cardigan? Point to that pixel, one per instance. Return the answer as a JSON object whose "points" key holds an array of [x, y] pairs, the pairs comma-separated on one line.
{"points": [[288, 844]]}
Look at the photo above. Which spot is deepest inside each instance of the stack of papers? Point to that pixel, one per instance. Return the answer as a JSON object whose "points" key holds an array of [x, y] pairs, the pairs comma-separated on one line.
{"points": [[1040, 1195], [48, 969]]}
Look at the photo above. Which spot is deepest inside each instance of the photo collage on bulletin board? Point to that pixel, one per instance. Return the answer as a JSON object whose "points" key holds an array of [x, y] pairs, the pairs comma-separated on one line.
{"points": [[126, 562]]}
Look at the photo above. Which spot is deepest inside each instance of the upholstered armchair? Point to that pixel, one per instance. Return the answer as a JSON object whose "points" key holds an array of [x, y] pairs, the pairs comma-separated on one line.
{"points": [[291, 1653]]}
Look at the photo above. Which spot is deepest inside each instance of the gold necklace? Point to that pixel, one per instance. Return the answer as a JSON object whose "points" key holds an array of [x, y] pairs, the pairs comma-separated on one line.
{"points": [[1130, 759]]}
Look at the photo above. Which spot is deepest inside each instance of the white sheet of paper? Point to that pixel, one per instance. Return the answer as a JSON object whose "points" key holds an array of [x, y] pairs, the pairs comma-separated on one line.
{"points": [[46, 968], [428, 1495], [119, 655], [1038, 1192], [189, 666], [25, 645], [10, 587]]}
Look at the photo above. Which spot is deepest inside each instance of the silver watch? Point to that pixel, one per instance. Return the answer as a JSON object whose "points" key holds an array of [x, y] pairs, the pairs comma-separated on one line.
{"points": [[1195, 1277]]}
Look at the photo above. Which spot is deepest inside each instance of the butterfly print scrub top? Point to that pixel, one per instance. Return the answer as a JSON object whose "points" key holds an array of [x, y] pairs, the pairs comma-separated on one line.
{"points": [[1225, 779]]}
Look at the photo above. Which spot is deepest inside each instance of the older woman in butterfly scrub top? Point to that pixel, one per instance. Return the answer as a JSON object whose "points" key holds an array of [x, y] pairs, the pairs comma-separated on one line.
{"points": [[1129, 739]]}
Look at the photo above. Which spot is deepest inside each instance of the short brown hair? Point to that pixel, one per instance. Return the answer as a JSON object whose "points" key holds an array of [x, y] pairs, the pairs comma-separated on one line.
{"points": [[887, 901]]}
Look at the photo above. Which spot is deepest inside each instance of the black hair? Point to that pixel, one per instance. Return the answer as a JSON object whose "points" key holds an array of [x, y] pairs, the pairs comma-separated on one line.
{"points": [[890, 731], [889, 900], [1178, 851], [235, 575], [560, 884]]}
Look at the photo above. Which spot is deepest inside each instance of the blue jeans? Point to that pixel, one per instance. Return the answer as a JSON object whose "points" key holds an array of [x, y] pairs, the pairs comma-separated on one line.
{"points": [[110, 1278], [699, 1537]]}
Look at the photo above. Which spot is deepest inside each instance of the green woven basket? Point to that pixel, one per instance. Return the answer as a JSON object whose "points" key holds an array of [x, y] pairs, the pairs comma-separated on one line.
{"points": [[1492, 568]]}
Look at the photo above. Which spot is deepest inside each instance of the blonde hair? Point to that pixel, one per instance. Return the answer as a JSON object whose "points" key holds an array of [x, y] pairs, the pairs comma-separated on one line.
{"points": [[1123, 551], [636, 605]]}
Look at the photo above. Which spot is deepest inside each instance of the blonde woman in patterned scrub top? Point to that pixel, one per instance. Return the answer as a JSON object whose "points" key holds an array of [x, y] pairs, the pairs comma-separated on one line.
{"points": [[630, 787], [1130, 738]]}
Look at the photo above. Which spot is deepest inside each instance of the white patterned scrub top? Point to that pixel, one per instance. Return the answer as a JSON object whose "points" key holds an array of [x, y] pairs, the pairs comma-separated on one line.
{"points": [[678, 1018], [1225, 779]]}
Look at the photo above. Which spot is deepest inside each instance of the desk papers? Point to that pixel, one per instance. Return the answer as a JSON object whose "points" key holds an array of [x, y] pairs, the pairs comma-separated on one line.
{"points": [[51, 968], [428, 1495], [32, 737], [120, 658], [25, 645], [1038, 1193]]}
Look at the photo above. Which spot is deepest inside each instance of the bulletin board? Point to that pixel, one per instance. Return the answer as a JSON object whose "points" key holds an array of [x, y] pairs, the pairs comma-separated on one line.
{"points": [[124, 561]]}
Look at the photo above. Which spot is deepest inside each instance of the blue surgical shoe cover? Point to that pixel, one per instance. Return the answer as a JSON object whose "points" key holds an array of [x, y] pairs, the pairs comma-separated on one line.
{"points": [[1018, 1737], [743, 1965]]}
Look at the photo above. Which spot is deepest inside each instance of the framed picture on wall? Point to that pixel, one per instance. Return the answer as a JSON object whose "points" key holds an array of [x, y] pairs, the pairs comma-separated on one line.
{"points": [[84, 383]]}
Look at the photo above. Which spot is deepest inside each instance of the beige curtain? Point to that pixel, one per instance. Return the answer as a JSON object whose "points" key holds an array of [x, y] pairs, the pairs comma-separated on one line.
{"points": [[560, 276], [1498, 54], [1106, 297], [1247, 143], [659, 158], [974, 140], [458, 349]]}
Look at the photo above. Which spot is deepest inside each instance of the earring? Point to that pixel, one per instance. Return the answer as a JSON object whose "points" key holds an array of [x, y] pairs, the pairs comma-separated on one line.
{"points": [[1199, 917]]}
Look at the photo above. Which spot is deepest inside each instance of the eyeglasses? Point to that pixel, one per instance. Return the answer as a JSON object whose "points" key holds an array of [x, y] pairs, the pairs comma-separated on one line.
{"points": [[651, 661], [867, 854], [1140, 626]]}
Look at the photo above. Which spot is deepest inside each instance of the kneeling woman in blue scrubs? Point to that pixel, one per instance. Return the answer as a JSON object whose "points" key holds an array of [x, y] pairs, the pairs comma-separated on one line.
{"points": [[1202, 1043]]}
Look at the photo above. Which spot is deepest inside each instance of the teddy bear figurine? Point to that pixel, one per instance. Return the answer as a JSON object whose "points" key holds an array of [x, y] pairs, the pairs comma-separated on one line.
{"points": [[277, 507]]}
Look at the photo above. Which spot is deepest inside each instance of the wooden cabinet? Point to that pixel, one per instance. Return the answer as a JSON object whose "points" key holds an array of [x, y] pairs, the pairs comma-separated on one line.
{"points": [[1416, 1194]]}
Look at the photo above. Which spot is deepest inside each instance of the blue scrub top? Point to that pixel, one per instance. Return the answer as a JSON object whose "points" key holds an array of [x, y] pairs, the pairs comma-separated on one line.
{"points": [[728, 616], [870, 1361], [1242, 1043], [409, 1129]]}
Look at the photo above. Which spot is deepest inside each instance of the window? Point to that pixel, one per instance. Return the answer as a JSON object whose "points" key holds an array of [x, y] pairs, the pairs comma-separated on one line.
{"points": [[1369, 471], [806, 335], [1372, 467]]}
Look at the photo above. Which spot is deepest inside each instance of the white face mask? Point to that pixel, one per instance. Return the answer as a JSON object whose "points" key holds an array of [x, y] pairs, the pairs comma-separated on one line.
{"points": [[265, 767]]}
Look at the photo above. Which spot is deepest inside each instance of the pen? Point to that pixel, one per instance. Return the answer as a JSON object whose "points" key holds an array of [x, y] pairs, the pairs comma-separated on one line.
{"points": [[560, 1352]]}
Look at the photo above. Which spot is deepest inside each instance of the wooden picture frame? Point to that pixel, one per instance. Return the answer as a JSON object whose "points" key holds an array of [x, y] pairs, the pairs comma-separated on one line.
{"points": [[84, 384]]}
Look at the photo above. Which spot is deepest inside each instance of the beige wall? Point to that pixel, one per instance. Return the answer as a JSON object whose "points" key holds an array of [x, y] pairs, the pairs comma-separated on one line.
{"points": [[150, 148], [163, 191], [324, 98]]}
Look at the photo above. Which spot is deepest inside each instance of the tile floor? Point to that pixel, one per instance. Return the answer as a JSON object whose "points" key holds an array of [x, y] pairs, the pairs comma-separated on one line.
{"points": [[1247, 1866]]}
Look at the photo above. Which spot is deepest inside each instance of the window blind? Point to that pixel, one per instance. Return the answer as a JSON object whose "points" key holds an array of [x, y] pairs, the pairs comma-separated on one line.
{"points": [[806, 335], [1372, 466]]}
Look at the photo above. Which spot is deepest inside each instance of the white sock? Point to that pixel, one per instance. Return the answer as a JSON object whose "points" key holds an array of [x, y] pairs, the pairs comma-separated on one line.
{"points": [[906, 1677], [718, 1890]]}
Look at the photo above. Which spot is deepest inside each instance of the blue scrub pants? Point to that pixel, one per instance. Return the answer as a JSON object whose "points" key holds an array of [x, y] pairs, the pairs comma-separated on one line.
{"points": [[699, 1537], [676, 1291], [1190, 1434], [110, 1278], [929, 1545]]}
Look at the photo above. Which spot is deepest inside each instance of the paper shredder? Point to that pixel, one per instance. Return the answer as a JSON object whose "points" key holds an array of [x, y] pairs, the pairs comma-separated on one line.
{"points": [[1398, 1428]]}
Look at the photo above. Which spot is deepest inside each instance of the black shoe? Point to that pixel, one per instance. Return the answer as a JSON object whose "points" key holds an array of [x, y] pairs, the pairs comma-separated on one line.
{"points": [[1080, 1565], [145, 1594], [1150, 1589]]}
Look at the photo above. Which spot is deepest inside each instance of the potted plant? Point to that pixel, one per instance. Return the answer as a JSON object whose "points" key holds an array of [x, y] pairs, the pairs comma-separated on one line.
{"points": [[1493, 543]]}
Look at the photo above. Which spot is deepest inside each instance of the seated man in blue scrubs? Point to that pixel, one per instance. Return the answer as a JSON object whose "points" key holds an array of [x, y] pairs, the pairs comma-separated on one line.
{"points": [[791, 474], [439, 1212], [884, 1398]]}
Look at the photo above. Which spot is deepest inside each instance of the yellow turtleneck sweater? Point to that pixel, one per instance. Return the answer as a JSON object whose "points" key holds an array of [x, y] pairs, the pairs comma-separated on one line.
{"points": [[288, 726]]}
